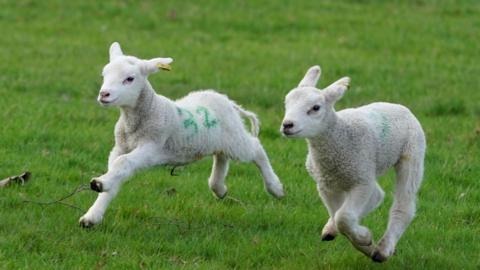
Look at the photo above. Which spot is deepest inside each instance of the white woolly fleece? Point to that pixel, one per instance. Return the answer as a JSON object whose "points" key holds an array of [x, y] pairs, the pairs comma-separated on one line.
{"points": [[154, 130], [348, 150]]}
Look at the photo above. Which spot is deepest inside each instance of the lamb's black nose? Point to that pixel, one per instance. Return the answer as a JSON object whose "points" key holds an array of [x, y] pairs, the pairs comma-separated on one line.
{"points": [[287, 125], [104, 94]]}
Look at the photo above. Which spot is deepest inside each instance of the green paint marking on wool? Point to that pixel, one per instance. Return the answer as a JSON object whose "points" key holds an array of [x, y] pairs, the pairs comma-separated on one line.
{"points": [[208, 123], [385, 127], [382, 122], [189, 122]]}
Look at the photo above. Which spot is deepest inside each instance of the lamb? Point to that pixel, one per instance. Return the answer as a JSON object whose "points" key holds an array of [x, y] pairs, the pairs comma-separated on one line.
{"points": [[154, 130], [348, 150]]}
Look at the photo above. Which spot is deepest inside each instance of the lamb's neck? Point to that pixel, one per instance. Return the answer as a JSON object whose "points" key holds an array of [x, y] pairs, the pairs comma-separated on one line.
{"points": [[329, 138], [147, 103]]}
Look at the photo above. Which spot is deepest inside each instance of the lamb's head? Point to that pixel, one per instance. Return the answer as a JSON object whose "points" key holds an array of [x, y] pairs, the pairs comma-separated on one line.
{"points": [[124, 77], [309, 111]]}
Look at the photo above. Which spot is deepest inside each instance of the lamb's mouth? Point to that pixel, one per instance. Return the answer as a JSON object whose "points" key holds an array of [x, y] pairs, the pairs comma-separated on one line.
{"points": [[288, 133], [105, 102]]}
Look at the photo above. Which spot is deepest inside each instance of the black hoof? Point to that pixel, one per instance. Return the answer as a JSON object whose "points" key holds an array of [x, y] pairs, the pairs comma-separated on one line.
{"points": [[96, 186], [86, 224], [222, 197], [378, 257], [328, 237]]}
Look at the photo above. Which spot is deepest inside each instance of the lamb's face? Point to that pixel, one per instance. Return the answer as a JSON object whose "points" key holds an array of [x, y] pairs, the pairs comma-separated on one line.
{"points": [[308, 110], [306, 113], [122, 82], [125, 77]]}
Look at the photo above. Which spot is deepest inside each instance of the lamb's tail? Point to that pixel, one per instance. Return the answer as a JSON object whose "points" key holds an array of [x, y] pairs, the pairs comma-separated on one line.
{"points": [[255, 129]]}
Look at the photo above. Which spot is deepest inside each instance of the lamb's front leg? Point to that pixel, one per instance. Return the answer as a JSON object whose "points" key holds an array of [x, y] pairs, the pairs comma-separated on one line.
{"points": [[347, 218], [94, 215], [109, 184], [114, 154], [332, 201]]}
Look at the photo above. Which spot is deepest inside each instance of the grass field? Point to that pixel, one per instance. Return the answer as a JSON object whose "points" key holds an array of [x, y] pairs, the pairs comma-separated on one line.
{"points": [[423, 54]]}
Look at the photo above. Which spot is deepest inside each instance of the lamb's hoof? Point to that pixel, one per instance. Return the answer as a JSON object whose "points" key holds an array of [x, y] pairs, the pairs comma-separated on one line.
{"points": [[378, 257], [365, 241], [220, 192], [96, 185], [86, 223], [328, 237], [276, 191], [368, 250], [221, 196], [90, 219], [345, 82]]}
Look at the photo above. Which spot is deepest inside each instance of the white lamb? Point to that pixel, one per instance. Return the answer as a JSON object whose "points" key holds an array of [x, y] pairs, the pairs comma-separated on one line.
{"points": [[154, 130], [348, 150]]}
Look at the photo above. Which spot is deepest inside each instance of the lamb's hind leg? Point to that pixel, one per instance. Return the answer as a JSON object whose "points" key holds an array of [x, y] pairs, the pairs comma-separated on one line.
{"points": [[409, 176], [272, 183], [216, 182]]}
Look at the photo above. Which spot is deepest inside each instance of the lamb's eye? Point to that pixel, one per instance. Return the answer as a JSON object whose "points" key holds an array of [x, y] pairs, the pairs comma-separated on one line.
{"points": [[128, 80], [316, 108]]}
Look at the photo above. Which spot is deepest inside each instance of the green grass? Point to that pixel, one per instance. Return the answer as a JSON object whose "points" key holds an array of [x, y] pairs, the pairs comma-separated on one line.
{"points": [[423, 54]]}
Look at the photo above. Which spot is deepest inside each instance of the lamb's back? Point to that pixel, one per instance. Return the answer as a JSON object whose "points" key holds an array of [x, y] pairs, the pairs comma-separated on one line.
{"points": [[392, 126], [209, 124]]}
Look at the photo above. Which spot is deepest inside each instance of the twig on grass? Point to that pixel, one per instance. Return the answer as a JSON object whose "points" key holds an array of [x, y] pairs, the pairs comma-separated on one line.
{"points": [[235, 200], [78, 189]]}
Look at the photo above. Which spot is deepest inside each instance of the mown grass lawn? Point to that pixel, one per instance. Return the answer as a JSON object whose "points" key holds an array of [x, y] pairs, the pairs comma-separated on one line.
{"points": [[423, 54]]}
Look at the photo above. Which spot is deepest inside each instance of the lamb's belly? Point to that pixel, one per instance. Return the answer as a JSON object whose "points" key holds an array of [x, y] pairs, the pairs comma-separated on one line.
{"points": [[386, 159], [187, 154], [180, 160]]}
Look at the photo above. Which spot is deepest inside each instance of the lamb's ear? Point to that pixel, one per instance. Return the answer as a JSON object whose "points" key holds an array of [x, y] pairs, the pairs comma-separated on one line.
{"points": [[153, 65], [115, 51], [335, 91], [311, 77]]}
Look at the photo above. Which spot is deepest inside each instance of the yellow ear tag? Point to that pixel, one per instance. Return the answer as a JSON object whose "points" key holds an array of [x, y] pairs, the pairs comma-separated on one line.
{"points": [[166, 67]]}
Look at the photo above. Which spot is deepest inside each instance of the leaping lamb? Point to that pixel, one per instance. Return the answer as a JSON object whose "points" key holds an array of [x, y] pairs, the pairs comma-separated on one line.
{"points": [[348, 150], [154, 130]]}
